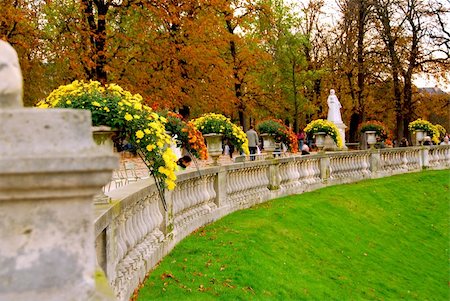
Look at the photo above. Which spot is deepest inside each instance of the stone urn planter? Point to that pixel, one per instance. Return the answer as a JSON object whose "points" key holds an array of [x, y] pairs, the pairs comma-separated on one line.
{"points": [[174, 142], [420, 135], [320, 140], [214, 145], [102, 136], [268, 142], [371, 138]]}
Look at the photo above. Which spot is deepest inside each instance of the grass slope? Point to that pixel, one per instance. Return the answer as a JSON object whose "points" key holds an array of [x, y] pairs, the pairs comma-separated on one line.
{"points": [[384, 239]]}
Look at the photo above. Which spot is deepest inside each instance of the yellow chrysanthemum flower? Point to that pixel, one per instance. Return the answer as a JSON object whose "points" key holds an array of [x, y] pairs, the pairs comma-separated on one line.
{"points": [[128, 117], [140, 134]]}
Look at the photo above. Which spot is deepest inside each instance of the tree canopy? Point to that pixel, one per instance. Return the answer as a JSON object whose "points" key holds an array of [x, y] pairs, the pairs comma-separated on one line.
{"points": [[248, 59]]}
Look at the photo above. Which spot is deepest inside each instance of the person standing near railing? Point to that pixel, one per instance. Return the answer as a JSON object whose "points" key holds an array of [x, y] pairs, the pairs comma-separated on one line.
{"points": [[252, 137]]}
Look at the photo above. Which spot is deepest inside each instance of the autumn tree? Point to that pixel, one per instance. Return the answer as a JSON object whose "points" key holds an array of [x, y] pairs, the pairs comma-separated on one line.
{"points": [[244, 54], [19, 25], [353, 43], [290, 75], [406, 29]]}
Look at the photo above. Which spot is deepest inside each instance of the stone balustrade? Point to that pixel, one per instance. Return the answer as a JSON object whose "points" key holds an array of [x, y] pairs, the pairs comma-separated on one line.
{"points": [[134, 232]]}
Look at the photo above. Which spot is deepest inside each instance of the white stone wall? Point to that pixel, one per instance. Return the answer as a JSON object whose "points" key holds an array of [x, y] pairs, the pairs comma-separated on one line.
{"points": [[138, 233]]}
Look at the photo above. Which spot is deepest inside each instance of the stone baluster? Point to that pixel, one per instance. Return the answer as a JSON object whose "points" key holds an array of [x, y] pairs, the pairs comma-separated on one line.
{"points": [[300, 166], [229, 184], [311, 172], [204, 189], [314, 171], [308, 172], [274, 176], [282, 172], [330, 169], [404, 160], [243, 181], [346, 167], [295, 175], [210, 185], [263, 180], [447, 155], [357, 165]]}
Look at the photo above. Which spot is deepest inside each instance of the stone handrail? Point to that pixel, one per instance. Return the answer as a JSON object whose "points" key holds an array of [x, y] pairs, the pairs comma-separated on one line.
{"points": [[134, 232]]}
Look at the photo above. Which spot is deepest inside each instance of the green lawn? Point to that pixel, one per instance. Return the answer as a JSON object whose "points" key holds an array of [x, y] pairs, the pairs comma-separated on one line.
{"points": [[384, 239]]}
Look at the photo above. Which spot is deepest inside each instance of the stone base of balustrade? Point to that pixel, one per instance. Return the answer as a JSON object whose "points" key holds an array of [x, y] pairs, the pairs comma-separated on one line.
{"points": [[125, 285]]}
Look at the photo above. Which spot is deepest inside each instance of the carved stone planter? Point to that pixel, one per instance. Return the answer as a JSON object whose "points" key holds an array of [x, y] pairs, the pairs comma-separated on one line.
{"points": [[214, 143], [268, 142], [371, 138], [102, 136], [320, 140], [174, 142], [420, 134]]}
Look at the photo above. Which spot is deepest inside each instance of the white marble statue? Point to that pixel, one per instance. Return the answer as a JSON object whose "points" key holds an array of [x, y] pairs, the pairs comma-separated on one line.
{"points": [[334, 108], [11, 83]]}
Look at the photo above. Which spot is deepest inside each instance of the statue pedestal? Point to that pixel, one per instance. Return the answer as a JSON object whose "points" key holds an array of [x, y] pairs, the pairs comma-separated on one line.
{"points": [[330, 145]]}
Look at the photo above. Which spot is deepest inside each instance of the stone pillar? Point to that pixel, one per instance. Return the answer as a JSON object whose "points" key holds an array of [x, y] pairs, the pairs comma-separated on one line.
{"points": [[50, 169], [425, 157], [325, 169], [220, 186], [274, 175], [375, 162]]}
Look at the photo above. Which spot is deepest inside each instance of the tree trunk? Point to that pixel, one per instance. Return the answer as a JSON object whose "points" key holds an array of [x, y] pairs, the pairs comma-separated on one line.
{"points": [[100, 45]]}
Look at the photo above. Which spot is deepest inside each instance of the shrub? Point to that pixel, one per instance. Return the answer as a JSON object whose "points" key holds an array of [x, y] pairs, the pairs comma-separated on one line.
{"points": [[112, 106]]}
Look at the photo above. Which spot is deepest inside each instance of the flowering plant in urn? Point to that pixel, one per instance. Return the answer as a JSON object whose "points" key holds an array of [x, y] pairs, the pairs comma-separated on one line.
{"points": [[280, 133], [325, 126], [426, 126], [442, 131], [377, 126], [188, 135], [117, 108], [217, 123]]}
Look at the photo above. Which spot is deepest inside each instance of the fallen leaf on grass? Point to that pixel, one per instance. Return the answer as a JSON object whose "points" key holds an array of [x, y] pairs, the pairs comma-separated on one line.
{"points": [[227, 283], [168, 275], [201, 288]]}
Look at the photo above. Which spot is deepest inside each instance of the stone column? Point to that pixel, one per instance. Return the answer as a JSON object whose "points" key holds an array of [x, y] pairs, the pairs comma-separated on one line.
{"points": [[50, 169], [375, 162], [220, 186], [274, 175], [325, 168], [424, 157]]}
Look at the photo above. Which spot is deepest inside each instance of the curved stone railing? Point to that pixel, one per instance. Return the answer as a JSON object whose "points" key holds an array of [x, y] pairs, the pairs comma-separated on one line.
{"points": [[134, 232]]}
